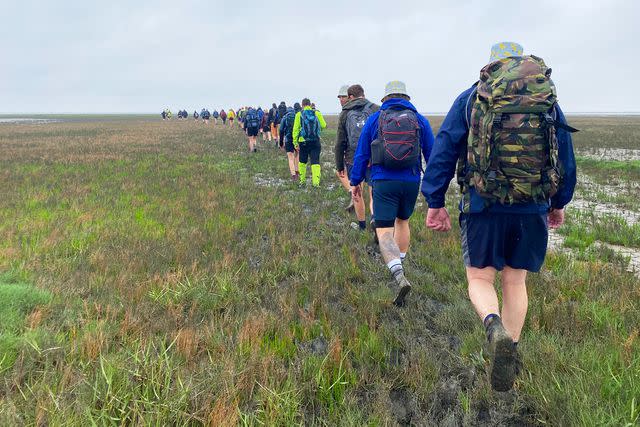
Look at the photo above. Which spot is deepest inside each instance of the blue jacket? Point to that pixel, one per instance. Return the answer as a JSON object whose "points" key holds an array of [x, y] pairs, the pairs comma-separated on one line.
{"points": [[370, 133], [452, 139]]}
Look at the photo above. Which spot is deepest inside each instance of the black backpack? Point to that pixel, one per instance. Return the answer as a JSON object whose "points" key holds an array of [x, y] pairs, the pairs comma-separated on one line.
{"points": [[398, 143], [252, 120], [282, 111], [355, 122]]}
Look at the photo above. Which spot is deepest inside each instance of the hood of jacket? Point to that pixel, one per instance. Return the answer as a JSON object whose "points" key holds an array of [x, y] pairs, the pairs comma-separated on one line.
{"points": [[397, 104], [355, 104]]}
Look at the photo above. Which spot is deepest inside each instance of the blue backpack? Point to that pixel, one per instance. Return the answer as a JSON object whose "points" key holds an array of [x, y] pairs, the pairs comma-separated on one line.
{"points": [[309, 125], [252, 120]]}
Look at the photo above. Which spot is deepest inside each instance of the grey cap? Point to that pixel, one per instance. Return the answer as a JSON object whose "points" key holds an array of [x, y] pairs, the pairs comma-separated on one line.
{"points": [[395, 87], [343, 91]]}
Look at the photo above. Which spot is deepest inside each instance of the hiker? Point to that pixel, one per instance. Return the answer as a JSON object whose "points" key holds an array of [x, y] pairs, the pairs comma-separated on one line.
{"points": [[306, 139], [223, 116], [195, 115], [286, 137], [163, 114], [265, 127], [507, 206], [215, 116], [351, 121], [282, 110], [273, 117], [231, 115], [252, 125], [169, 114], [393, 140], [241, 114], [343, 98]]}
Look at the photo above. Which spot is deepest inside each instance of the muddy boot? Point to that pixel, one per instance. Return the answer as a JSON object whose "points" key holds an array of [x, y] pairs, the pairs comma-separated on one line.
{"points": [[503, 356], [404, 287]]}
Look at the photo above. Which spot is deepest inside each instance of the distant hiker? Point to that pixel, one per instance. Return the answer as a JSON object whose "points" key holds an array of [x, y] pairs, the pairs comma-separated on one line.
{"points": [[231, 115], [306, 138], [273, 131], [286, 137], [351, 121], [282, 110], [265, 127], [393, 140], [508, 199], [223, 116], [195, 115], [241, 115], [343, 98], [205, 115], [215, 116], [252, 126], [163, 114], [169, 114]]}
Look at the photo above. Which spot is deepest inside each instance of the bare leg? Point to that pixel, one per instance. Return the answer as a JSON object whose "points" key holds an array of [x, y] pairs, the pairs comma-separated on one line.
{"points": [[482, 293], [358, 204], [292, 163], [388, 246], [514, 301], [371, 200], [402, 234], [344, 181]]}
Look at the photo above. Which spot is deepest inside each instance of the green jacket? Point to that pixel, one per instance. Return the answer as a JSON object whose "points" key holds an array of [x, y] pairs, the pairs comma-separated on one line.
{"points": [[297, 139]]}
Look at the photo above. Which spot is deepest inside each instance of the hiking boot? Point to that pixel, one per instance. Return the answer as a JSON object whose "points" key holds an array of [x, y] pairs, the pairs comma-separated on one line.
{"points": [[404, 287], [503, 357]]}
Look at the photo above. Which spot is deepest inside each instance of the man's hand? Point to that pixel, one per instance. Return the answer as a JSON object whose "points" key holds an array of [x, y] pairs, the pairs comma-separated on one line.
{"points": [[356, 192], [556, 218], [438, 219]]}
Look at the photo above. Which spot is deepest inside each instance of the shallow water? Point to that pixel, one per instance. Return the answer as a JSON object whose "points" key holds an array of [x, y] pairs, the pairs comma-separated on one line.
{"points": [[603, 153], [16, 120]]}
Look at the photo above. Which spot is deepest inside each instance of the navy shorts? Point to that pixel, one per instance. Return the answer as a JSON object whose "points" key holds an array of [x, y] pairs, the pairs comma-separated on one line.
{"points": [[252, 131], [367, 174], [497, 240], [393, 199]]}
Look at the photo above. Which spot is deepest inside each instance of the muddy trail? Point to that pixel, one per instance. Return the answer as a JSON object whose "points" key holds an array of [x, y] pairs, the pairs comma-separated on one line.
{"points": [[420, 332]]}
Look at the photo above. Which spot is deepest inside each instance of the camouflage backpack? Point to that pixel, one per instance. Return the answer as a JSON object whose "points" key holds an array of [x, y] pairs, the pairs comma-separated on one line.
{"points": [[512, 149]]}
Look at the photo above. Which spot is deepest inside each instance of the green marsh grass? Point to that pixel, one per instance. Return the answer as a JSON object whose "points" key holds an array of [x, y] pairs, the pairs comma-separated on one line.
{"points": [[157, 283]]}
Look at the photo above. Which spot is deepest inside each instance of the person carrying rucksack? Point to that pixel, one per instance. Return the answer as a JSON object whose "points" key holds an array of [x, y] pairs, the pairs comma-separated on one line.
{"points": [[215, 116], [163, 114], [223, 116], [252, 126], [231, 115], [273, 129], [286, 137], [394, 140], [351, 121], [306, 138], [282, 110], [195, 115], [517, 172]]}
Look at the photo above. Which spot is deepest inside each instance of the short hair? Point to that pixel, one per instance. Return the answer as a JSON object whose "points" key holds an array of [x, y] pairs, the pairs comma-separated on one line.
{"points": [[305, 102], [356, 91]]}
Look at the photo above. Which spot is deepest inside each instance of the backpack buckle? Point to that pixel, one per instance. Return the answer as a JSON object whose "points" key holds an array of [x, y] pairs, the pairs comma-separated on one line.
{"points": [[497, 121]]}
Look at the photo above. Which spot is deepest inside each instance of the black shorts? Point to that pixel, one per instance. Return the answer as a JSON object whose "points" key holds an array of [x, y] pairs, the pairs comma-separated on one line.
{"points": [[310, 149], [500, 239], [252, 131], [288, 146], [393, 199]]}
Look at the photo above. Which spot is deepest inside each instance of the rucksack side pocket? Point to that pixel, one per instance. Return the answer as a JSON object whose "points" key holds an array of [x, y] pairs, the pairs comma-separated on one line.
{"points": [[377, 152]]}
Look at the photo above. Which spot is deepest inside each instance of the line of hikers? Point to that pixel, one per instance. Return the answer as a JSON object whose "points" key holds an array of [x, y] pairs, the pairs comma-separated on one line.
{"points": [[510, 146], [205, 115], [507, 141]]}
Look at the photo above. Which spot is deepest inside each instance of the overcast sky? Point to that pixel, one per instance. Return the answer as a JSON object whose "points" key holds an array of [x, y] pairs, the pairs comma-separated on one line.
{"points": [[140, 56]]}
